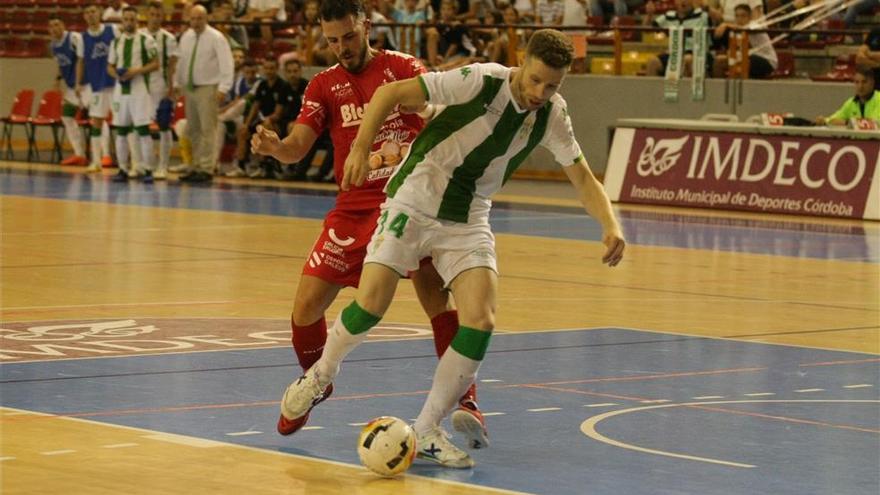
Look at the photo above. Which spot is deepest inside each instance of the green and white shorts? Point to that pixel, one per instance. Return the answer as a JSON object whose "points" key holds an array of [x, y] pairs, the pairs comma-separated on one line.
{"points": [[404, 236]]}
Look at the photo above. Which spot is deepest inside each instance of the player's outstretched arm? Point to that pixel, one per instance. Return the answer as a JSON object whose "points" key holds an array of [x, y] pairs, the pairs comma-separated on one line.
{"points": [[596, 202], [407, 93], [291, 149]]}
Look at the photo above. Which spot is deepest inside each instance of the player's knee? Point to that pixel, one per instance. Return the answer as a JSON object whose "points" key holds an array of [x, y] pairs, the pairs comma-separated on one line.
{"points": [[121, 130], [142, 130], [484, 320], [306, 311]]}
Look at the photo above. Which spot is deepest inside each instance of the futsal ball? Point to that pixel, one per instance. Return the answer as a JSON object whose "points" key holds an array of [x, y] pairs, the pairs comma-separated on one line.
{"points": [[387, 446]]}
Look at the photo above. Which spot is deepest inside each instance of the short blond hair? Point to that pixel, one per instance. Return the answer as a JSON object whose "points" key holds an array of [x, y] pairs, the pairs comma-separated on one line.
{"points": [[551, 47]]}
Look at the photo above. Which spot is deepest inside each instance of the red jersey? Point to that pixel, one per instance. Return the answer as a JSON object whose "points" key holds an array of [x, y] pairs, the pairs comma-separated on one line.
{"points": [[337, 98]]}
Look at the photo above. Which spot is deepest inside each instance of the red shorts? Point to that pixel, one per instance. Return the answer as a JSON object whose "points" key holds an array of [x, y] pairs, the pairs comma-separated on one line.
{"points": [[338, 254]]}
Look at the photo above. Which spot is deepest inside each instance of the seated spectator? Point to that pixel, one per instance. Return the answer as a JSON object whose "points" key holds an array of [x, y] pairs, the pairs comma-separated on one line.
{"points": [[311, 37], [721, 11], [381, 37], [407, 40], [864, 105], [449, 37], [862, 7], [270, 97], [498, 52], [266, 12], [869, 54], [232, 112], [113, 12], [224, 11], [606, 9], [549, 12], [684, 15], [762, 56], [526, 10]]}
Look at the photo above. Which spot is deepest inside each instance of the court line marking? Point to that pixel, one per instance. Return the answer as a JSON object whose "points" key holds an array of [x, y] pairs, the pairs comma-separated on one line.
{"points": [[809, 390], [288, 455], [244, 433], [833, 363], [707, 397], [200, 443], [603, 404], [860, 385], [760, 394], [119, 445], [544, 409], [588, 427], [9, 458], [494, 413], [58, 452]]}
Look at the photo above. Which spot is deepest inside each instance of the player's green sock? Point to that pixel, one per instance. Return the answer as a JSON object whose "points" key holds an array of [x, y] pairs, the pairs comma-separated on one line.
{"points": [[455, 373], [349, 330]]}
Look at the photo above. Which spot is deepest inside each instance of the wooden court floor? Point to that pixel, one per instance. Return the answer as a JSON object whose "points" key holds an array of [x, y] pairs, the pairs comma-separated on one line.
{"points": [[66, 257]]}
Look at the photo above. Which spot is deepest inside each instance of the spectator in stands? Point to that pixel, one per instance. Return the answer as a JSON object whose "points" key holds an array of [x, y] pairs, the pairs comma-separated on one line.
{"points": [[132, 58], [869, 54], [205, 69], [479, 12], [449, 37], [498, 53], [549, 12], [223, 13], [293, 76], [861, 8], [721, 11], [409, 40], [162, 83], [608, 8], [113, 12], [684, 15], [526, 9], [67, 49], [762, 56], [271, 96], [97, 39], [266, 12], [381, 37], [232, 111], [865, 104], [311, 36]]}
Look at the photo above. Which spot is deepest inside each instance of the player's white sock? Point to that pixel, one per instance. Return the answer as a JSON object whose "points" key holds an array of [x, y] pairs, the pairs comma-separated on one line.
{"points": [[122, 152], [349, 330], [165, 141], [135, 152], [97, 149], [146, 152], [74, 135], [105, 140], [455, 373]]}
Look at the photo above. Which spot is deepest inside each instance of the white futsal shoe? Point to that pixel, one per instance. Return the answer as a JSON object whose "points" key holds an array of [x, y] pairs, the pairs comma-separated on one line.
{"points": [[435, 446], [303, 394]]}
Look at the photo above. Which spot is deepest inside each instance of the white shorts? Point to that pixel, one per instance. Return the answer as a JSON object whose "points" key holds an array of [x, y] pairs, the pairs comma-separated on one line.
{"points": [[158, 92], [98, 103], [71, 98], [132, 109], [404, 236]]}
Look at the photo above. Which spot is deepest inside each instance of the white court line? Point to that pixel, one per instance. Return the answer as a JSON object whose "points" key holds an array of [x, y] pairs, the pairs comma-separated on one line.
{"points": [[58, 452], [16, 413], [655, 401], [545, 409], [603, 404], [808, 390], [860, 385], [244, 433], [494, 414], [7, 459], [357, 424], [490, 380], [119, 445], [75, 306], [760, 394], [183, 440], [312, 428], [707, 397]]}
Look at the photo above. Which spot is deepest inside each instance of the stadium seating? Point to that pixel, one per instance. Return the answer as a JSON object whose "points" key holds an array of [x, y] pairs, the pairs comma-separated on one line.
{"points": [[48, 115], [19, 115]]}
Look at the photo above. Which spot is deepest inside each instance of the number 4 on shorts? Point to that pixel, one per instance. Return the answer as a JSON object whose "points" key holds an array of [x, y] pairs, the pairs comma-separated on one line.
{"points": [[398, 223]]}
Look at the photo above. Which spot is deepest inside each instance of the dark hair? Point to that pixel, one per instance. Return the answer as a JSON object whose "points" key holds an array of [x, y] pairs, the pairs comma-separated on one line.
{"points": [[55, 17], [743, 6], [156, 4], [551, 47], [293, 61], [270, 57], [130, 9], [249, 62], [865, 71], [333, 10]]}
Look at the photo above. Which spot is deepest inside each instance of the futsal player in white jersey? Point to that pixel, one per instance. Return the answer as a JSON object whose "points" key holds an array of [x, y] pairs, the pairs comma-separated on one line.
{"points": [[162, 82], [438, 206], [132, 57]]}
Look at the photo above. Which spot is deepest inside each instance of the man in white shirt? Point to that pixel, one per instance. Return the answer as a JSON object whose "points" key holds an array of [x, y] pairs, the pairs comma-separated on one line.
{"points": [[113, 12], [266, 11], [205, 73]]}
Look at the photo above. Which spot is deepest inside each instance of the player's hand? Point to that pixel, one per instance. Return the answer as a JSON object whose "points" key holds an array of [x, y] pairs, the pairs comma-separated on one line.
{"points": [[264, 142], [615, 245], [357, 167]]}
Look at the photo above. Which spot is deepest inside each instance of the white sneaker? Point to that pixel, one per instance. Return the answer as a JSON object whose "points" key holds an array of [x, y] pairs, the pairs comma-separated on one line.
{"points": [[160, 174], [303, 394], [134, 173], [435, 446], [94, 167], [179, 168], [235, 172]]}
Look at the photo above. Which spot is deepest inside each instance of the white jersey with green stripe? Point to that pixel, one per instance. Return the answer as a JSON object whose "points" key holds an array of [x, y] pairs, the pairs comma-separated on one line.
{"points": [[469, 150], [132, 51], [166, 47]]}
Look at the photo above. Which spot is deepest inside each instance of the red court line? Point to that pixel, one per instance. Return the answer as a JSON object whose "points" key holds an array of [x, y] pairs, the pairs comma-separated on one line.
{"points": [[785, 418], [657, 376], [833, 363]]}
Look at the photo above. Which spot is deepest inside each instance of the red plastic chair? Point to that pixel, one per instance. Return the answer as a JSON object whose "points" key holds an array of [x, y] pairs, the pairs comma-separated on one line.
{"points": [[19, 115], [48, 115], [785, 67]]}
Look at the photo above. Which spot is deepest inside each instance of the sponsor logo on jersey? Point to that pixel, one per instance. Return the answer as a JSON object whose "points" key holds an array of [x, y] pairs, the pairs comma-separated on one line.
{"points": [[348, 241], [352, 114], [100, 50]]}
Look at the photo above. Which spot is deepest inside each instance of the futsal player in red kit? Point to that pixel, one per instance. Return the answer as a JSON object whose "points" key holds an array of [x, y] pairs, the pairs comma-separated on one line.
{"points": [[336, 99]]}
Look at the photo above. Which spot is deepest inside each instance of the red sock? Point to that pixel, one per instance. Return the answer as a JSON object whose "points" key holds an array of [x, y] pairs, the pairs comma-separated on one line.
{"points": [[445, 326], [308, 341]]}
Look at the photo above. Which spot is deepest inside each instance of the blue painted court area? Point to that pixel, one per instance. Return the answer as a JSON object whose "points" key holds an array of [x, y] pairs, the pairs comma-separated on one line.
{"points": [[792, 238], [670, 414]]}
